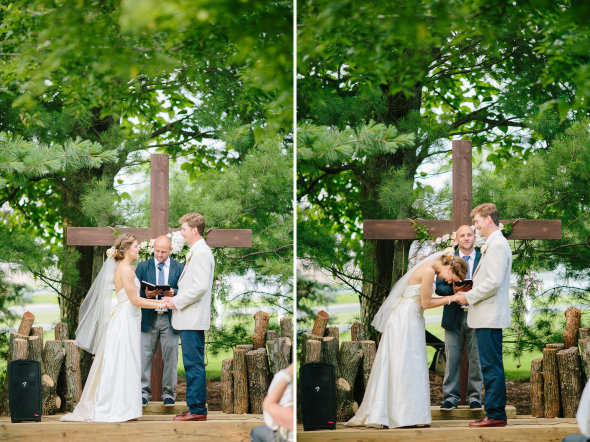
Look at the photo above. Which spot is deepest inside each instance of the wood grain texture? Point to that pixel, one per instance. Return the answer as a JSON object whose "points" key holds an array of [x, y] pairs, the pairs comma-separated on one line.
{"points": [[53, 356], [159, 194], [404, 229], [261, 320], [369, 352], [335, 333], [556, 346], [26, 323], [462, 183], [279, 354], [286, 323], [585, 354], [551, 383], [258, 378], [37, 331], [61, 331], [73, 374], [157, 373], [537, 395], [329, 352], [573, 317], [240, 372], [313, 351], [571, 381], [321, 321], [358, 332], [227, 386]]}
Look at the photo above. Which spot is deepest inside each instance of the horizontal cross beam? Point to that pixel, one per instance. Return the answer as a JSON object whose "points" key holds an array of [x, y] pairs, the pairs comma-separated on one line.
{"points": [[404, 229], [103, 236]]}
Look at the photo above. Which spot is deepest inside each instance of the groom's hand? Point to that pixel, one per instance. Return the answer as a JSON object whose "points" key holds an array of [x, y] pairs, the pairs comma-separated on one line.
{"points": [[170, 304], [462, 299]]}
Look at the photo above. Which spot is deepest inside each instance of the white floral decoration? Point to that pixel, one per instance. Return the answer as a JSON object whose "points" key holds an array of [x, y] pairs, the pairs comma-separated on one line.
{"points": [[454, 235], [152, 242], [484, 248], [449, 252], [189, 255], [501, 226], [218, 282], [143, 245], [445, 237], [438, 240], [480, 241], [150, 250], [111, 252]]}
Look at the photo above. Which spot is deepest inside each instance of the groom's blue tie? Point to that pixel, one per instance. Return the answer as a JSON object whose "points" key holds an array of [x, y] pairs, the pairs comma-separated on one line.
{"points": [[161, 273], [466, 258]]}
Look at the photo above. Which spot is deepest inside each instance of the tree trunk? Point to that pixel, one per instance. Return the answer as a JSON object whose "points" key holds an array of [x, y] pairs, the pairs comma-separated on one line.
{"points": [[335, 333], [61, 331], [345, 402], [585, 353], [369, 351], [53, 356], [349, 361], [329, 353], [304, 338], [313, 351], [570, 380], [49, 396], [258, 378], [37, 331], [247, 347], [558, 346], [272, 335], [227, 386], [286, 323], [551, 383], [279, 354], [240, 372], [35, 350], [584, 333], [573, 317], [536, 388], [26, 323], [321, 321], [260, 328], [73, 375], [358, 332]]}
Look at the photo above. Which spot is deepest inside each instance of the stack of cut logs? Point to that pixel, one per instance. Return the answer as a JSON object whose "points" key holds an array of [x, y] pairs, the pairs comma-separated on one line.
{"points": [[60, 365], [245, 378], [353, 361], [558, 378]]}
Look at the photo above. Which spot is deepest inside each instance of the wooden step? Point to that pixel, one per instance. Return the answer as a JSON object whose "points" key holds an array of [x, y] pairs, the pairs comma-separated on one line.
{"points": [[522, 429], [464, 412], [159, 408]]}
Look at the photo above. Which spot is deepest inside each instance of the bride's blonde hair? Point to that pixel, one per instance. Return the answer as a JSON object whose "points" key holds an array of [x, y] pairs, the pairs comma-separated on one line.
{"points": [[458, 265], [122, 243]]}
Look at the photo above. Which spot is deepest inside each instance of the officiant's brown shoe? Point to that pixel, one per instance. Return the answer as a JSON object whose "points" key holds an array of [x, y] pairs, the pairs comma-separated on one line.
{"points": [[485, 422], [188, 416]]}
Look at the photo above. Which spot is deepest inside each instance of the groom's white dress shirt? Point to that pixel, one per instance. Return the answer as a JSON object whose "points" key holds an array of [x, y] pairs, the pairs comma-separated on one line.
{"points": [[489, 300], [193, 301]]}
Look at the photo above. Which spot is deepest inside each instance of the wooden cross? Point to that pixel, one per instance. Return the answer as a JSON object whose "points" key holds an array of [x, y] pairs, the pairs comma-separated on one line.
{"points": [[103, 236], [462, 206]]}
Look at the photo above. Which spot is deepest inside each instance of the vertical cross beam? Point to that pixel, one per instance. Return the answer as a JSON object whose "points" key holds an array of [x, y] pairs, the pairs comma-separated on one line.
{"points": [[462, 183], [159, 191]]}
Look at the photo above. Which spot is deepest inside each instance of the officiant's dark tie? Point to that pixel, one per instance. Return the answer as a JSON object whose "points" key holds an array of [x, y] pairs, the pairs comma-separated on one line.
{"points": [[466, 258], [161, 274]]}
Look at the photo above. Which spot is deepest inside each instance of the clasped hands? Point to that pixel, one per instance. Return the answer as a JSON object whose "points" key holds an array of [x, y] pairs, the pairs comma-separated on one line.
{"points": [[459, 296], [166, 302]]}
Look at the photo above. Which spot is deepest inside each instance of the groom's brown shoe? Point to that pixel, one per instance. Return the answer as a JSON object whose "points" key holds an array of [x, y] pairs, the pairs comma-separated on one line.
{"points": [[188, 416], [486, 422]]}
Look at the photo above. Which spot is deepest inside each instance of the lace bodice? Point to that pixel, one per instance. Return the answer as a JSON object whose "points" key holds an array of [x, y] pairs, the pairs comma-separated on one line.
{"points": [[122, 296]]}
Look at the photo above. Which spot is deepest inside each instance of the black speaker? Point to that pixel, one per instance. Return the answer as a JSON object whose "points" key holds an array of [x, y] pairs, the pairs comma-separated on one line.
{"points": [[318, 395], [24, 395]]}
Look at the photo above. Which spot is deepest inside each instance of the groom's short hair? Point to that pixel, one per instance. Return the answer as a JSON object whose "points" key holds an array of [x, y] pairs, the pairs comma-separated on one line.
{"points": [[485, 210], [194, 220]]}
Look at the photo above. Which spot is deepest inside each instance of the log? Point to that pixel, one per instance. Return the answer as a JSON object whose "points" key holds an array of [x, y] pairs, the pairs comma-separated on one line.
{"points": [[37, 331], [26, 323], [585, 354], [35, 350], [247, 347], [53, 356], [584, 333], [335, 333], [279, 354], [321, 321], [304, 338], [551, 383], [73, 374], [260, 328], [369, 349], [573, 317], [344, 400], [61, 331], [227, 386], [558, 346], [536, 388], [358, 332], [240, 372], [258, 378], [570, 380], [19, 349], [286, 323], [349, 360], [329, 352], [272, 335], [313, 351], [49, 398]]}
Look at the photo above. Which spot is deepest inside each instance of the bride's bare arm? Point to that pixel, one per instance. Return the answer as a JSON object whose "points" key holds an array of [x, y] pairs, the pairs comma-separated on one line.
{"points": [[426, 292], [128, 277]]}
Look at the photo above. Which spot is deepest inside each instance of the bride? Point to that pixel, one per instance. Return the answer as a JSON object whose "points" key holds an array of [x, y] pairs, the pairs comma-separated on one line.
{"points": [[112, 392], [398, 392]]}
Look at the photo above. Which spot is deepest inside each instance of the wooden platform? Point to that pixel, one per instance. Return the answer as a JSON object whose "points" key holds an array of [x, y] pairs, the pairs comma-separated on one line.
{"points": [[521, 429], [218, 427], [464, 412]]}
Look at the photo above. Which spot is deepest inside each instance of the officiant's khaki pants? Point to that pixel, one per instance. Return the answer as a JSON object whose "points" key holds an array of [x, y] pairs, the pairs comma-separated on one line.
{"points": [[160, 329]]}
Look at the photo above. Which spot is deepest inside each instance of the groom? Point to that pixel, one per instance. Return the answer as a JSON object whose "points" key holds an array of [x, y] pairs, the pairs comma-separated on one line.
{"points": [[489, 311], [192, 314]]}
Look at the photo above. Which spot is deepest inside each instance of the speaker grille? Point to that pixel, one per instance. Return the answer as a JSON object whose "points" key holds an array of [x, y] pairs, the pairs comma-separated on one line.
{"points": [[318, 392], [25, 390]]}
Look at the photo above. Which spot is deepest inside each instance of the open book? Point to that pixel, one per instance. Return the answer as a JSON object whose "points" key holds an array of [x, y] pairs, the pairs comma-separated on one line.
{"points": [[148, 285]]}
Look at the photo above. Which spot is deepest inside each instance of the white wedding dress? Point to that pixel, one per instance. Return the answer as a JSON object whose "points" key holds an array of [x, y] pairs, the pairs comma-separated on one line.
{"points": [[398, 392], [112, 392]]}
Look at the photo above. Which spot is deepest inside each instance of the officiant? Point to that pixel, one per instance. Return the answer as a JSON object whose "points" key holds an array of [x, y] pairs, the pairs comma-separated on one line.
{"points": [[457, 332], [157, 324]]}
